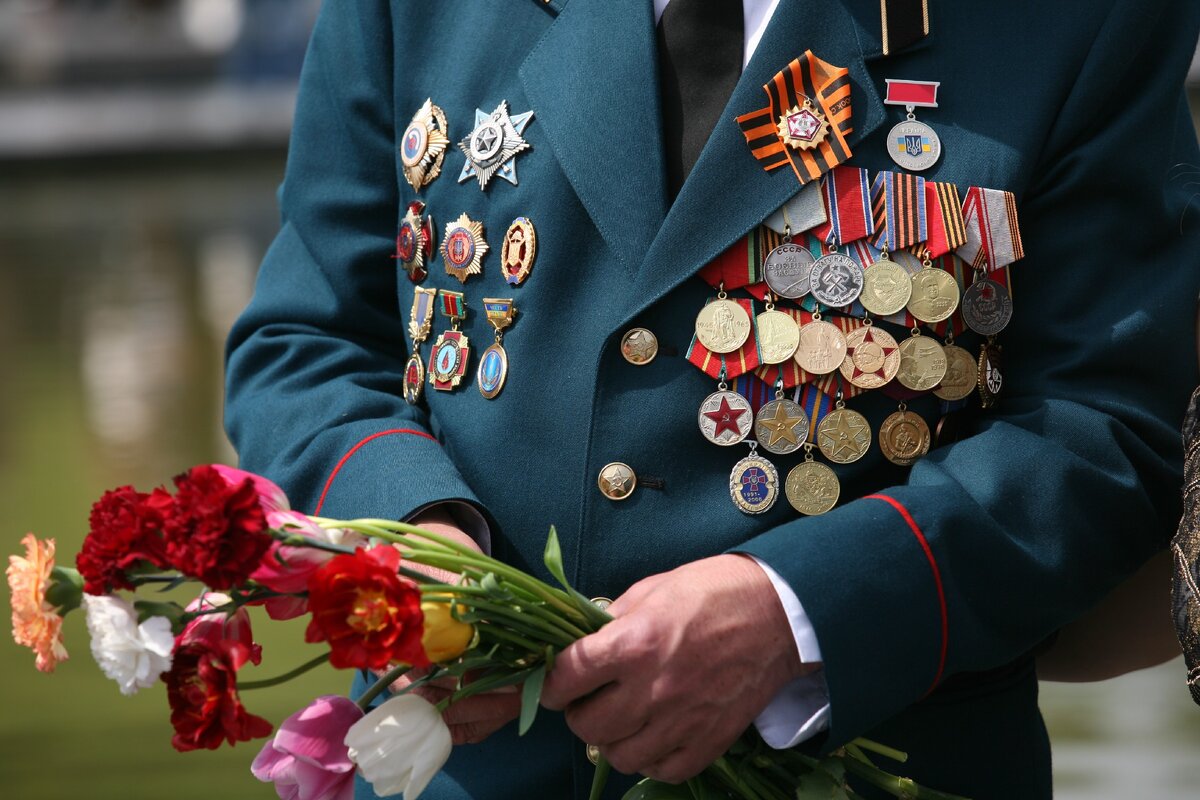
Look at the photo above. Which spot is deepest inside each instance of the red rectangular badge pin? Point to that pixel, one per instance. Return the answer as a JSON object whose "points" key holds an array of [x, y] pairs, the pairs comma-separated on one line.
{"points": [[921, 94]]}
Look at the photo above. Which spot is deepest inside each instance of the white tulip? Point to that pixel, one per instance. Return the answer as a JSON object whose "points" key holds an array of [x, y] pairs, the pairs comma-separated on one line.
{"points": [[133, 655], [400, 746]]}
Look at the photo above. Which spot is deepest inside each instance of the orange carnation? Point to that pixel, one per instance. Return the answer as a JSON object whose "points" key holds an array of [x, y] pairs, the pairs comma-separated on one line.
{"points": [[36, 623]]}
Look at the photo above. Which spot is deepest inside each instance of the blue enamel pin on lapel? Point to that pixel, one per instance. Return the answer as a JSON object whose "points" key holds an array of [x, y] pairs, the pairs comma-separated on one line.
{"points": [[492, 147]]}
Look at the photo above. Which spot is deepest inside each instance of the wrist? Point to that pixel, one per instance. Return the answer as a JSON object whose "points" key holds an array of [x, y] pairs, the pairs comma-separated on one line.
{"points": [[782, 659]]}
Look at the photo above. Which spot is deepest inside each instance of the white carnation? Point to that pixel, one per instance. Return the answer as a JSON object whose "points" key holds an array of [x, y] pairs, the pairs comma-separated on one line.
{"points": [[133, 655], [400, 746]]}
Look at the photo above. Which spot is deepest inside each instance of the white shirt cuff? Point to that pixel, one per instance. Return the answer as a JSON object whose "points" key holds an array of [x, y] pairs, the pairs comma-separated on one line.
{"points": [[801, 709]]}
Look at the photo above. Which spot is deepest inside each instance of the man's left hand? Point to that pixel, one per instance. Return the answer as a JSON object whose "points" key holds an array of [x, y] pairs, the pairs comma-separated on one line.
{"points": [[690, 659]]}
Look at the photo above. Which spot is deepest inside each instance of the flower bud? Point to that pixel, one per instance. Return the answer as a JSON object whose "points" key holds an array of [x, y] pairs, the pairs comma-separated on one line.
{"points": [[444, 638]]}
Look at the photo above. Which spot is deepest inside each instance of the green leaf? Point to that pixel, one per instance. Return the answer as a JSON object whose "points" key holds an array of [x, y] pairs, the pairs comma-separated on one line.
{"points": [[531, 697], [647, 789], [65, 591], [175, 584], [553, 558]]}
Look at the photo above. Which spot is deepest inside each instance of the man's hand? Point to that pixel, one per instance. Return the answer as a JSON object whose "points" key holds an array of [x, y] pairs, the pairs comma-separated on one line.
{"points": [[475, 718], [691, 658]]}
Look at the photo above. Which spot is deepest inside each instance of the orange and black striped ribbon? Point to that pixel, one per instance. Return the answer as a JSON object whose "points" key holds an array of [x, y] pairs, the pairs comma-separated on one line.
{"points": [[899, 205], [828, 89], [947, 229]]}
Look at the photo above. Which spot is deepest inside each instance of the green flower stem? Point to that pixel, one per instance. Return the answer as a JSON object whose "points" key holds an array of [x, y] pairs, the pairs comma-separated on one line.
{"points": [[599, 778], [442, 592], [291, 539], [495, 632], [244, 686], [138, 580], [881, 749], [898, 787], [381, 683], [526, 623], [486, 684], [723, 770]]}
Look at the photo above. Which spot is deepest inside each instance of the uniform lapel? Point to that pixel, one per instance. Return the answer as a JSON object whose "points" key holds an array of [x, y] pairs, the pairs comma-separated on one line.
{"points": [[592, 81], [728, 193]]}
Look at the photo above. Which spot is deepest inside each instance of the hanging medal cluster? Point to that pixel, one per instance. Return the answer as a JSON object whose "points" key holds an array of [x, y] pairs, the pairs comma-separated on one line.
{"points": [[792, 335], [490, 151]]}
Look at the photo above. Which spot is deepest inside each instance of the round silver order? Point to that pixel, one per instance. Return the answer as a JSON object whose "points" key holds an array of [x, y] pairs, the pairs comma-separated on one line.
{"points": [[718, 424], [486, 141], [906, 145], [986, 307], [837, 280], [786, 270]]}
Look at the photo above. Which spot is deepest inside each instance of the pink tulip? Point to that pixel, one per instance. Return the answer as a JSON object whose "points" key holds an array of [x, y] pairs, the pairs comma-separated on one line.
{"points": [[286, 569], [307, 759], [270, 496]]}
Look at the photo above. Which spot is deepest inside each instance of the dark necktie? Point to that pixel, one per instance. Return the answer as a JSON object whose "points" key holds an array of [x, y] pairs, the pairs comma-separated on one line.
{"points": [[699, 62]]}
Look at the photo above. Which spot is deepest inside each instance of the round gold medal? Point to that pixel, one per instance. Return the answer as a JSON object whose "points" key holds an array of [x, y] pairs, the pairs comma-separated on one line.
{"points": [[844, 436], [872, 357], [812, 488], [722, 326], [886, 288], [961, 375], [822, 348], [934, 295], [778, 336], [781, 426], [922, 363], [903, 438]]}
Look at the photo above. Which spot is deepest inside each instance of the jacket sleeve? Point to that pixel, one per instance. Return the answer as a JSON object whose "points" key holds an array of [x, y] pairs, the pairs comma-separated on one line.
{"points": [[995, 541], [315, 363]]}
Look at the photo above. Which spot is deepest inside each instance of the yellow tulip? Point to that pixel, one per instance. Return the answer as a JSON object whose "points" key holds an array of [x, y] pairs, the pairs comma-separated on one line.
{"points": [[444, 638]]}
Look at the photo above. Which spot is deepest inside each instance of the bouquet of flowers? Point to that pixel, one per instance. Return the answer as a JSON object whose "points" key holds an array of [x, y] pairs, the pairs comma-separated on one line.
{"points": [[370, 606]]}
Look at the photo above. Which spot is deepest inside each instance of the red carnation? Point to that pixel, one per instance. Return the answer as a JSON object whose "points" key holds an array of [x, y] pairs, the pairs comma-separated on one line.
{"points": [[205, 707], [370, 616], [125, 529], [217, 532]]}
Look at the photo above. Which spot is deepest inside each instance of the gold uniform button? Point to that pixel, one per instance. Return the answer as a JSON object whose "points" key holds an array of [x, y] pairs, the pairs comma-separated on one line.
{"points": [[617, 481], [593, 754], [639, 346], [602, 603]]}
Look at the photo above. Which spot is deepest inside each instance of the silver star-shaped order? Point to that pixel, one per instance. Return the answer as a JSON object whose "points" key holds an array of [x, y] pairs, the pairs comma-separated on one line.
{"points": [[492, 147]]}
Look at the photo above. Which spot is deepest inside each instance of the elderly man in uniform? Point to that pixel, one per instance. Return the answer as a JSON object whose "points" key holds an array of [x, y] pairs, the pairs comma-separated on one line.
{"points": [[910, 611]]}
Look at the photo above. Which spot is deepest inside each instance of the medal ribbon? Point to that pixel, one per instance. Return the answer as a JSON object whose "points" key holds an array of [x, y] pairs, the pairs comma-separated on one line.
{"points": [[921, 94], [947, 229], [734, 364], [828, 89], [757, 393], [899, 207], [847, 193], [993, 234], [741, 264], [452, 304], [816, 404]]}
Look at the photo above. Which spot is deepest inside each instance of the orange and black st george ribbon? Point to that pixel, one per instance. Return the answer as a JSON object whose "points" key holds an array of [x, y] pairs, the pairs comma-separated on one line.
{"points": [[807, 121]]}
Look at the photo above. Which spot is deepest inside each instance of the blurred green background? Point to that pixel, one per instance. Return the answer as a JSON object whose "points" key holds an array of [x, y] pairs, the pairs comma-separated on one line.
{"points": [[141, 142]]}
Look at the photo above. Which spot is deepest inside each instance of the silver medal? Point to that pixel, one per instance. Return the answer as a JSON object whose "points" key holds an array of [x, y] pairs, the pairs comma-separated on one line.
{"points": [[725, 418], [986, 307], [914, 145], [492, 147], [836, 280], [786, 270]]}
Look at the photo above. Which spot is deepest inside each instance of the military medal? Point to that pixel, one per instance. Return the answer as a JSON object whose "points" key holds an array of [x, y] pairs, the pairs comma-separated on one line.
{"points": [[989, 378], [961, 375], [754, 484], [811, 487], [423, 146], [887, 287], [912, 144], [911, 264], [904, 437], [723, 325], [822, 347], [922, 362], [986, 306], [844, 436], [934, 295], [786, 269], [725, 417], [491, 148], [493, 364], [778, 335], [872, 357], [518, 251], [993, 236], [414, 242], [451, 351], [837, 280], [781, 426], [463, 248], [419, 326]]}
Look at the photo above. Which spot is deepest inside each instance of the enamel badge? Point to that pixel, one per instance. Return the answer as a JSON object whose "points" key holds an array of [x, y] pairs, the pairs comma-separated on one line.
{"points": [[414, 242], [463, 248], [423, 146], [492, 147], [912, 144], [451, 352], [518, 251]]}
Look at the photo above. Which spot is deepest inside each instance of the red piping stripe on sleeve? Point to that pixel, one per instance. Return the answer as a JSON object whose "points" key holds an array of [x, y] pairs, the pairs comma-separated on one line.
{"points": [[341, 463], [937, 579]]}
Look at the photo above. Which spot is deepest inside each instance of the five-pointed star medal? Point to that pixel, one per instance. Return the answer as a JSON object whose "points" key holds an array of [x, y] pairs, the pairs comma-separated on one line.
{"points": [[726, 418], [886, 351], [781, 426], [843, 435], [491, 149]]}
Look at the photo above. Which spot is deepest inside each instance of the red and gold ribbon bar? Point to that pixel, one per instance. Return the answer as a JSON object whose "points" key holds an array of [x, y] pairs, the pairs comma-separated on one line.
{"points": [[741, 264], [739, 362], [806, 121], [993, 234]]}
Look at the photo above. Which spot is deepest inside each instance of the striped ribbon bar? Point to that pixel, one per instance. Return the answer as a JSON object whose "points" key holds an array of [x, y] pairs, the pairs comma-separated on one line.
{"points": [[806, 121], [452, 304], [900, 210], [751, 387], [947, 228], [993, 234], [734, 364], [816, 404], [847, 193]]}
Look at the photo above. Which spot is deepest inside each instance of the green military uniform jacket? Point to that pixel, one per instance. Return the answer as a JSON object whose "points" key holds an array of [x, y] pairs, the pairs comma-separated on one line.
{"points": [[923, 583]]}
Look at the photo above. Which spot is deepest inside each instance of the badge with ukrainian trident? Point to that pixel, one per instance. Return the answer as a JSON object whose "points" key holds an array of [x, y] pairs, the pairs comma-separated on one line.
{"points": [[912, 144], [754, 484], [463, 248], [493, 364], [414, 241]]}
